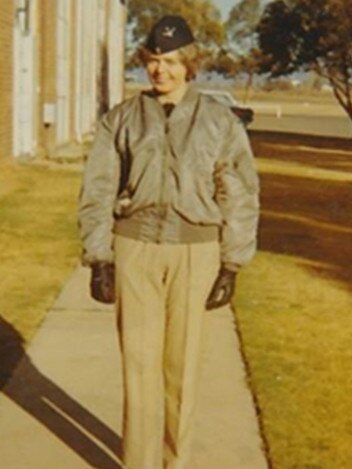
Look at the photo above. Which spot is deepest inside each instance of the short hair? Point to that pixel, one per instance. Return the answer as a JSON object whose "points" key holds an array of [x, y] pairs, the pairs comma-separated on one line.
{"points": [[189, 55]]}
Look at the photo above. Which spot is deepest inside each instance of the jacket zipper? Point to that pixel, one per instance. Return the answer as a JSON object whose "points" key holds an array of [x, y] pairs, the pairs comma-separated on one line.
{"points": [[163, 200]]}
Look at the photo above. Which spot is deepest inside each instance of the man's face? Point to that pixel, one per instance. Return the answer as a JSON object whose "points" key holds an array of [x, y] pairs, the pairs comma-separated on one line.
{"points": [[166, 72]]}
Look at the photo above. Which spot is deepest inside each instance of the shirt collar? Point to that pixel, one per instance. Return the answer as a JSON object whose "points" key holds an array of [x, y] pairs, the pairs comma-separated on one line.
{"points": [[187, 102]]}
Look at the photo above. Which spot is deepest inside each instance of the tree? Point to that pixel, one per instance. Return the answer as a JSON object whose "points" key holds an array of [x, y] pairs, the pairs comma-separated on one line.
{"points": [[310, 35], [240, 54], [241, 25], [202, 15]]}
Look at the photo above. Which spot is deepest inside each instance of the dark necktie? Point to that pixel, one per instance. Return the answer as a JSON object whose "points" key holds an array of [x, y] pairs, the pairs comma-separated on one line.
{"points": [[168, 108]]}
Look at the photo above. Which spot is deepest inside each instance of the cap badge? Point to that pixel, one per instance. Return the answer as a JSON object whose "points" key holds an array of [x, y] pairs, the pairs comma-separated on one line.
{"points": [[168, 32]]}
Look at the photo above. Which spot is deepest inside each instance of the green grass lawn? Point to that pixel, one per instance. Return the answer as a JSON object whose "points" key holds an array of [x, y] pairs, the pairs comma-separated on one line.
{"points": [[296, 330], [294, 312], [38, 238]]}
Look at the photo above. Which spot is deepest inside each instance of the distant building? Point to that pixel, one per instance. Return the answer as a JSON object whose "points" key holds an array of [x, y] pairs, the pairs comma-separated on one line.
{"points": [[61, 64]]}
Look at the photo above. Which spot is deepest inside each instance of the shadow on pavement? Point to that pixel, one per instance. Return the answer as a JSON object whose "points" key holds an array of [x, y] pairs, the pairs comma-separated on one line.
{"points": [[51, 406], [310, 219]]}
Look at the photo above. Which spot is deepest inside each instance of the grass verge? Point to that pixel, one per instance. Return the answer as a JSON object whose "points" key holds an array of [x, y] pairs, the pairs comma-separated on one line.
{"points": [[296, 329], [294, 307], [38, 238], [295, 325]]}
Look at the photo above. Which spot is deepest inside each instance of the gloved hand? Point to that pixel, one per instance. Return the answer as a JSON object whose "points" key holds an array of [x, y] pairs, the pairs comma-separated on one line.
{"points": [[223, 289], [102, 282]]}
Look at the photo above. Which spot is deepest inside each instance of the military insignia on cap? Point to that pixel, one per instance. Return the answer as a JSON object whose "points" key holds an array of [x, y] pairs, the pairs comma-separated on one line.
{"points": [[168, 32]]}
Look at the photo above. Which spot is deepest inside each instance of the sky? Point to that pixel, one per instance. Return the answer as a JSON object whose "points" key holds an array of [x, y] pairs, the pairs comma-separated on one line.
{"points": [[225, 6]]}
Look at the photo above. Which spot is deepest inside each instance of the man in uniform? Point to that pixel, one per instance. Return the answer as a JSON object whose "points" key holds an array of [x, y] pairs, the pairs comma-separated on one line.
{"points": [[168, 216]]}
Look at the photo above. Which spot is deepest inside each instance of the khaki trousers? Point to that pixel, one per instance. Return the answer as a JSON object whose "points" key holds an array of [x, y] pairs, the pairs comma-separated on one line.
{"points": [[161, 291]]}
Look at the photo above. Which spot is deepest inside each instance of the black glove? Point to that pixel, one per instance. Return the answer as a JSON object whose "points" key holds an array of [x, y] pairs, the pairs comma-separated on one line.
{"points": [[102, 282], [223, 289]]}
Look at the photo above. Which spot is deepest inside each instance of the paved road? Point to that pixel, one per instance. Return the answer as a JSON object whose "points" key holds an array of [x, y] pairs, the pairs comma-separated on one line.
{"points": [[332, 126]]}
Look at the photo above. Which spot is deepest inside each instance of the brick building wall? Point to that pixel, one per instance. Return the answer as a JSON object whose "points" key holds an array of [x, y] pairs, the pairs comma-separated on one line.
{"points": [[47, 71], [6, 78], [36, 87]]}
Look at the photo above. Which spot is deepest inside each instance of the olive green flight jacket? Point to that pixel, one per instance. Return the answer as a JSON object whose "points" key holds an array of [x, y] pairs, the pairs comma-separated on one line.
{"points": [[186, 178]]}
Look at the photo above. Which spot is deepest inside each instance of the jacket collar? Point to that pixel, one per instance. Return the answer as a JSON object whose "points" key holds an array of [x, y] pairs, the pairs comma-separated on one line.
{"points": [[183, 108]]}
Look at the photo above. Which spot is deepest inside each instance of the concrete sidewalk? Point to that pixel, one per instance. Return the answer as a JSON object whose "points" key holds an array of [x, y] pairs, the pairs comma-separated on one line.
{"points": [[62, 407]]}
